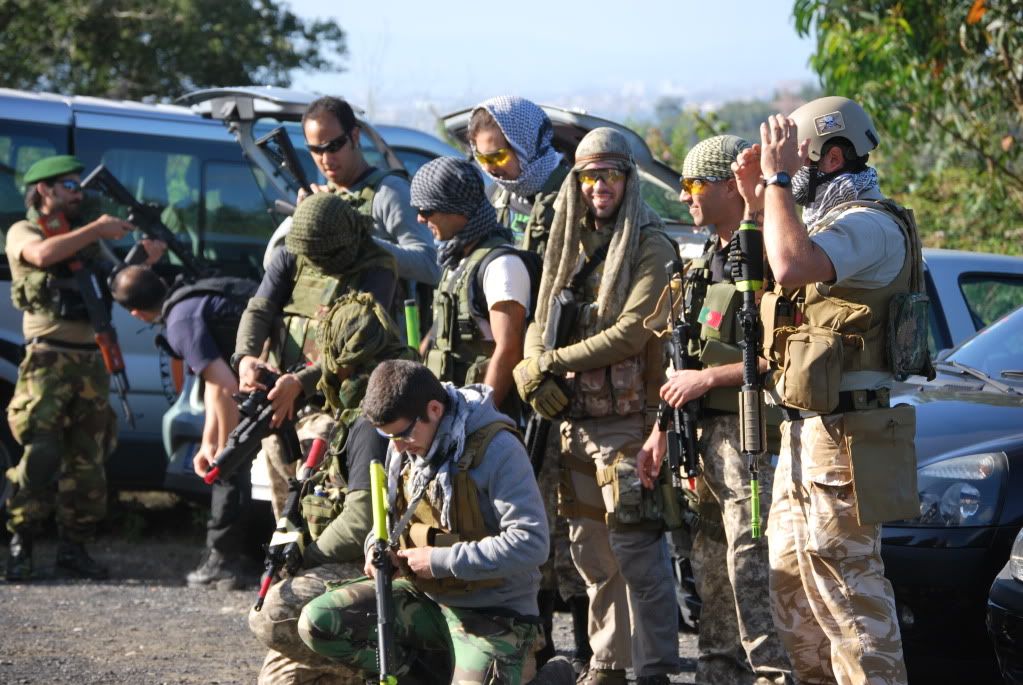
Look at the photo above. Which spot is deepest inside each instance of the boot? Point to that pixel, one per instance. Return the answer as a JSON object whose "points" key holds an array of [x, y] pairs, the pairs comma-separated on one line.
{"points": [[19, 560], [545, 599], [215, 569], [72, 557], [580, 606], [557, 671], [659, 679], [603, 676]]}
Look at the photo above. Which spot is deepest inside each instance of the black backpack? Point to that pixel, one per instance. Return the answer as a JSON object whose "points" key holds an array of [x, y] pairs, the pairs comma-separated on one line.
{"points": [[237, 291]]}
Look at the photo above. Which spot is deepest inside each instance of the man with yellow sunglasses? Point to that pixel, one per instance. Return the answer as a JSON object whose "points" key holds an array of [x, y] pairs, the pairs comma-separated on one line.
{"points": [[730, 568], [512, 140]]}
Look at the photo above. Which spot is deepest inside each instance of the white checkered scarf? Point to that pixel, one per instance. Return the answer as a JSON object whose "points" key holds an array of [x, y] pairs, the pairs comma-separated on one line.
{"points": [[530, 133], [842, 188], [453, 186]]}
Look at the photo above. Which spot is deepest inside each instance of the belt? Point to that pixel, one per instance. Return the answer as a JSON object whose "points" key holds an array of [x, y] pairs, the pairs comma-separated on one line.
{"points": [[848, 400], [84, 347]]}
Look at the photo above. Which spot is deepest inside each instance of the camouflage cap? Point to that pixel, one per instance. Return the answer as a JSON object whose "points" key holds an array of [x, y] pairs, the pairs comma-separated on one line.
{"points": [[323, 225], [52, 167], [713, 157]]}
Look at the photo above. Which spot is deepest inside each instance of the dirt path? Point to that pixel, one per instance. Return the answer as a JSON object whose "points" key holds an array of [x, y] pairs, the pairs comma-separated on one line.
{"points": [[143, 625]]}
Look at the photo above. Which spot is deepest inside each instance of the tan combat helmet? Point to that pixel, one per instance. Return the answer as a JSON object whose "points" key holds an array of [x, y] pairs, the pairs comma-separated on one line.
{"points": [[833, 117]]}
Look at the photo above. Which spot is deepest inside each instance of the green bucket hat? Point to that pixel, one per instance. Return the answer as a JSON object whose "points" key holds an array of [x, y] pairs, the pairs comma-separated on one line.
{"points": [[52, 167]]}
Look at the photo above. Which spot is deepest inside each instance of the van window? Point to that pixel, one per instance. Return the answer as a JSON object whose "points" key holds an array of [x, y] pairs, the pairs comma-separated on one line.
{"points": [[236, 217], [990, 296], [21, 145]]}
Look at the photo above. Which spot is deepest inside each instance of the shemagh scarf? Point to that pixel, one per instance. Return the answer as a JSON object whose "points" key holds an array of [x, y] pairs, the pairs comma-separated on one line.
{"points": [[530, 134], [564, 249], [842, 188], [436, 468], [454, 186]]}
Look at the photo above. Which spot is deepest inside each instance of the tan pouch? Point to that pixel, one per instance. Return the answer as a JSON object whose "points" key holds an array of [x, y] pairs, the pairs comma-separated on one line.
{"points": [[477, 371], [883, 457], [775, 313], [627, 386], [812, 369]]}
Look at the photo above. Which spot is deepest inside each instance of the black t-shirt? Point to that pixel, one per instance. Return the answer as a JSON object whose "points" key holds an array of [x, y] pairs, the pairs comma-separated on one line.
{"points": [[188, 333], [719, 269], [363, 442]]}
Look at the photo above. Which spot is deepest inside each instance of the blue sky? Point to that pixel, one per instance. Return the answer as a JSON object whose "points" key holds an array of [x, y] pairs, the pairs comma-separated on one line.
{"points": [[411, 55]]}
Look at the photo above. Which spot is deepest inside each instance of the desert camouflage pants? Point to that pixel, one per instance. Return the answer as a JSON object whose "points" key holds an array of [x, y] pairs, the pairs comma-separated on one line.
{"points": [[289, 661], [433, 643], [833, 606], [315, 424], [738, 642], [60, 413], [626, 568]]}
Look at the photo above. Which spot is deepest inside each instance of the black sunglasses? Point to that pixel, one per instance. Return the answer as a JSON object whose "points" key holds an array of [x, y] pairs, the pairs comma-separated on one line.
{"points": [[400, 435], [427, 213], [329, 146]]}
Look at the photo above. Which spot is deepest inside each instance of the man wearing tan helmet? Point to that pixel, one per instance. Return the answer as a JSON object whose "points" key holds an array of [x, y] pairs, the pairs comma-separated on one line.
{"points": [[849, 287]]}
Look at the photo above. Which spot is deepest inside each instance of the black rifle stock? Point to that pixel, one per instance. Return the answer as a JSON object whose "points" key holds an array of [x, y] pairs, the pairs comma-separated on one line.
{"points": [[94, 296], [680, 422], [277, 146], [145, 218], [753, 430], [383, 572]]}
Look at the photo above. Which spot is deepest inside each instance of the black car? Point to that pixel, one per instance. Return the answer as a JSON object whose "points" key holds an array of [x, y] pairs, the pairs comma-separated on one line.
{"points": [[969, 442]]}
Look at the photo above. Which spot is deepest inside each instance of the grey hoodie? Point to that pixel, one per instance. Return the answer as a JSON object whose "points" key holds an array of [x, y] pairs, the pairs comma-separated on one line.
{"points": [[512, 511]]}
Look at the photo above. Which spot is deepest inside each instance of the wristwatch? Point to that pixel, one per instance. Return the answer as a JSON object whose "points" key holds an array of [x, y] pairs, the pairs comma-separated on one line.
{"points": [[782, 179]]}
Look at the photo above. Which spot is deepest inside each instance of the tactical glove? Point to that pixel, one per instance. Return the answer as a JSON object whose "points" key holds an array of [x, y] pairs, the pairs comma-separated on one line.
{"points": [[528, 377], [549, 400]]}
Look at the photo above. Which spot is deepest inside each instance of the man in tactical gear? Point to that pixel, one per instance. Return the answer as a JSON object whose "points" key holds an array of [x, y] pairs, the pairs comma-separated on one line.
{"points": [[512, 140], [472, 532], [334, 138], [328, 253], [738, 642], [200, 322], [606, 258], [356, 335], [480, 306], [60, 411], [850, 283]]}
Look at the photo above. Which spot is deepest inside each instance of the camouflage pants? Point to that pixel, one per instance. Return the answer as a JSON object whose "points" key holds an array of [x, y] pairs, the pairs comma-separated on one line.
{"points": [[627, 563], [433, 643], [312, 425], [833, 606], [60, 413], [558, 572], [738, 642], [289, 661]]}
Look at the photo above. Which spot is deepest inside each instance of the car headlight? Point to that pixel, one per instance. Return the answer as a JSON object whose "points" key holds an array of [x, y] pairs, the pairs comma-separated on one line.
{"points": [[1016, 558], [961, 491]]}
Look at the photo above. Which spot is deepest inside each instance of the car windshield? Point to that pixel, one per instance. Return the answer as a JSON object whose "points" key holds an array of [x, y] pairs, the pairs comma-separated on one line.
{"points": [[997, 350]]}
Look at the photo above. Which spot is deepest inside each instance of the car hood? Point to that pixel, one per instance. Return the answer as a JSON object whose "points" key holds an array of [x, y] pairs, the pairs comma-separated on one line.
{"points": [[953, 419]]}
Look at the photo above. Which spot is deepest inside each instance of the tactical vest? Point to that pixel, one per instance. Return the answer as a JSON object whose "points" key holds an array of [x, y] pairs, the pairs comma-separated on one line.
{"points": [[531, 224], [842, 329], [426, 530], [459, 353], [362, 199], [311, 298], [623, 388], [53, 290], [710, 310]]}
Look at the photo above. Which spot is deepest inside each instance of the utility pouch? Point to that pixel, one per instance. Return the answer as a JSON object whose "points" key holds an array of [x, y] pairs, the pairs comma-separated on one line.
{"points": [[628, 492], [592, 396], [564, 315], [34, 293], [673, 499], [907, 349], [718, 353], [441, 363], [812, 368], [883, 458], [319, 510], [776, 312], [477, 371], [717, 317], [627, 386]]}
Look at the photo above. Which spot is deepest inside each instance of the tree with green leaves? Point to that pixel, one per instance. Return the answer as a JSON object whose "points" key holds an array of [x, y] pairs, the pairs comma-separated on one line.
{"points": [[943, 80], [158, 49]]}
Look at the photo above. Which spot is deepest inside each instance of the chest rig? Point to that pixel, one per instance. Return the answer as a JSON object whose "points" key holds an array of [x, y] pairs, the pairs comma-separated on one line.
{"points": [[426, 529], [311, 298]]}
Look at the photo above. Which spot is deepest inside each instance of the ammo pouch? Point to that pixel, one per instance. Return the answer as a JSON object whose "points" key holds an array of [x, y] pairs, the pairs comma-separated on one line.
{"points": [[674, 503], [906, 350], [319, 510], [634, 505], [811, 367], [883, 458], [618, 389], [423, 535]]}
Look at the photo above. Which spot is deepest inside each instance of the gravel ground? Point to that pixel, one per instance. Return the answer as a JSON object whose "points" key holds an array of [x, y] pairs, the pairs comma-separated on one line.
{"points": [[143, 625]]}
